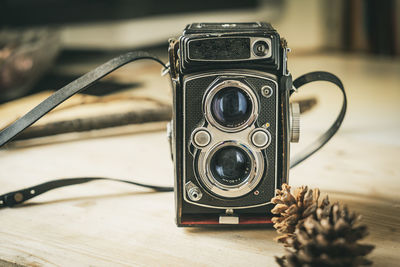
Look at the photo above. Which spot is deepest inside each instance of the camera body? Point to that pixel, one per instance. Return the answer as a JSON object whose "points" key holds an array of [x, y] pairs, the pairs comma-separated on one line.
{"points": [[232, 122]]}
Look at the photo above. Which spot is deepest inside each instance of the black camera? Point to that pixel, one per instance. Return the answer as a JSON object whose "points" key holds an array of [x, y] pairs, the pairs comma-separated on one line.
{"points": [[232, 122]]}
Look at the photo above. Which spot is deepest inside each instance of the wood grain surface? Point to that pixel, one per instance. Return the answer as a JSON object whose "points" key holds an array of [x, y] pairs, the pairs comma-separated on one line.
{"points": [[138, 103], [111, 224]]}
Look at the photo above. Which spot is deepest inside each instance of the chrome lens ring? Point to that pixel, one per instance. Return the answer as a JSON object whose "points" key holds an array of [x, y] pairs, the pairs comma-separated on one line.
{"points": [[234, 84], [230, 191]]}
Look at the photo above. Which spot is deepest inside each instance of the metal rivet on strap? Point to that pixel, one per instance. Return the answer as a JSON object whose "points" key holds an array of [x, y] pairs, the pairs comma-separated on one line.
{"points": [[18, 197]]}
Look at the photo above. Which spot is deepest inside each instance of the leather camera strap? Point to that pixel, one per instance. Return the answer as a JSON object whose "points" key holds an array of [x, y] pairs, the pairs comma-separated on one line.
{"points": [[17, 197], [324, 138], [69, 90]]}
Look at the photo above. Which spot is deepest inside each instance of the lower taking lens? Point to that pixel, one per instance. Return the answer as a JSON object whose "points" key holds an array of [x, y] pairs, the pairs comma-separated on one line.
{"points": [[230, 165]]}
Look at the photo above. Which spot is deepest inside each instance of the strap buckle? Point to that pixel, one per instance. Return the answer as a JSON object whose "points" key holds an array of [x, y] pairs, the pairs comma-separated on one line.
{"points": [[165, 70]]}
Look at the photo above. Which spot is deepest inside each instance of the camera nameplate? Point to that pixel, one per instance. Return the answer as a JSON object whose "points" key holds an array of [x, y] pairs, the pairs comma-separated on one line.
{"points": [[251, 40]]}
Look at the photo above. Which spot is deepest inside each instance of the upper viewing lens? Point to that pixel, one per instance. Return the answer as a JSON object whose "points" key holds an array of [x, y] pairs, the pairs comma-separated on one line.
{"points": [[231, 107]]}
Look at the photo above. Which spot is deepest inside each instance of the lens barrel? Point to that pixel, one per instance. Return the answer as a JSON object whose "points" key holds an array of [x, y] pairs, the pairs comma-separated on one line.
{"points": [[230, 168], [230, 165], [231, 106]]}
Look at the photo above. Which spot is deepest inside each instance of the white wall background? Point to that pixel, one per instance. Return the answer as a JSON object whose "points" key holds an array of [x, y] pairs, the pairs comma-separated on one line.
{"points": [[299, 21]]}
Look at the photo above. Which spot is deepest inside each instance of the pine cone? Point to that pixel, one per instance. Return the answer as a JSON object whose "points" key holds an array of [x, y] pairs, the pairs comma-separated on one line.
{"points": [[293, 210], [328, 239]]}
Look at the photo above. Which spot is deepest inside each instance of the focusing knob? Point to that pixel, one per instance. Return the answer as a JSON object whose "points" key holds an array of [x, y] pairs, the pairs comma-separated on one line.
{"points": [[294, 121]]}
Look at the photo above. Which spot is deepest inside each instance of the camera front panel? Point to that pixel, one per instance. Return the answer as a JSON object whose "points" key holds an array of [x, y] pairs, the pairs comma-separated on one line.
{"points": [[229, 139]]}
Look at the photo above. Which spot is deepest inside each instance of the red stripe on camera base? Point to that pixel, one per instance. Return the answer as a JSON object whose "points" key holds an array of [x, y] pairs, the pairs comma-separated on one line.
{"points": [[207, 220]]}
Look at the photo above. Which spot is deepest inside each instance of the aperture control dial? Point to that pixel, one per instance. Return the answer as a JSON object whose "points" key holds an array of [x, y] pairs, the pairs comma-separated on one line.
{"points": [[260, 138], [201, 137], [294, 120]]}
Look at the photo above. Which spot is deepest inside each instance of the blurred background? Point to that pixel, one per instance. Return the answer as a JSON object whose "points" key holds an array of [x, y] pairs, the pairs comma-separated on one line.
{"points": [[45, 44]]}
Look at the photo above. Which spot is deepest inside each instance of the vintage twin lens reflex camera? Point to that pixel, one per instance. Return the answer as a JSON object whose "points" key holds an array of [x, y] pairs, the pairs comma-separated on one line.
{"points": [[232, 122]]}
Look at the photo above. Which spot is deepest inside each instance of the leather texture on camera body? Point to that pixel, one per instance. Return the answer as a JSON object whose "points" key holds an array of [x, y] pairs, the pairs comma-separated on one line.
{"points": [[194, 88]]}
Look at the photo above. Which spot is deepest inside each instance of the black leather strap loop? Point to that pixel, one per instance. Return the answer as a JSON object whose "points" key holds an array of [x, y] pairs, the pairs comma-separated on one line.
{"points": [[323, 139]]}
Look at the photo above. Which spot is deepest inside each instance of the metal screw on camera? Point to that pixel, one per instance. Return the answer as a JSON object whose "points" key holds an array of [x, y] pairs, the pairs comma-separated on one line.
{"points": [[266, 91], [18, 197], [229, 212]]}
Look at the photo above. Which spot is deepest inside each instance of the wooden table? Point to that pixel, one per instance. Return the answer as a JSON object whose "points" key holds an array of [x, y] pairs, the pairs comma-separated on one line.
{"points": [[111, 224]]}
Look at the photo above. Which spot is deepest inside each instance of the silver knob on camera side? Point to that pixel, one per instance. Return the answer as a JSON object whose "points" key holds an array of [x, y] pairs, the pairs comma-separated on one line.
{"points": [[193, 192], [294, 120]]}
